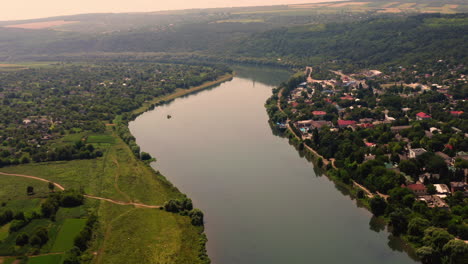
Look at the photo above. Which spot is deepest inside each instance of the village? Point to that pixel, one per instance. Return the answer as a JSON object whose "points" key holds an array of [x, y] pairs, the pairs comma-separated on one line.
{"points": [[420, 120]]}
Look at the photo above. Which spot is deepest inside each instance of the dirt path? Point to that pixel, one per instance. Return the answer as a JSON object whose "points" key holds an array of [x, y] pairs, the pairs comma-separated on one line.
{"points": [[369, 193], [309, 76], [116, 180], [87, 196], [34, 178]]}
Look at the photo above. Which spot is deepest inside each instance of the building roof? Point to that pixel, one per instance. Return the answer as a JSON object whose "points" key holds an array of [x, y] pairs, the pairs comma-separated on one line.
{"points": [[418, 151], [320, 124], [456, 112], [423, 115], [369, 144], [294, 104], [366, 125], [457, 184], [442, 188], [346, 122], [319, 113], [347, 98], [416, 187]]}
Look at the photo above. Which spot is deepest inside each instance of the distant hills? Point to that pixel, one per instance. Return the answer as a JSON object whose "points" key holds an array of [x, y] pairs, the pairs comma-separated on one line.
{"points": [[365, 32]]}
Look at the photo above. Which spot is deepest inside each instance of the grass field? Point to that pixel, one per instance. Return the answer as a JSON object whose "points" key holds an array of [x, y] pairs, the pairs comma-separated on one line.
{"points": [[144, 235], [68, 231], [48, 259], [4, 232], [100, 139]]}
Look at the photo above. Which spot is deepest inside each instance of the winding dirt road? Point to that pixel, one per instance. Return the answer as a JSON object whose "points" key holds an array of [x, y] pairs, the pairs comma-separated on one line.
{"points": [[87, 196]]}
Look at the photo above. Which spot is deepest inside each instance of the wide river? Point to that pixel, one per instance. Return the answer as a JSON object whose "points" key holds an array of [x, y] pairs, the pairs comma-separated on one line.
{"points": [[263, 203]]}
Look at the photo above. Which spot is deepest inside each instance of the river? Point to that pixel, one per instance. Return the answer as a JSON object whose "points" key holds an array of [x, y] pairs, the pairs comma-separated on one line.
{"points": [[263, 203]]}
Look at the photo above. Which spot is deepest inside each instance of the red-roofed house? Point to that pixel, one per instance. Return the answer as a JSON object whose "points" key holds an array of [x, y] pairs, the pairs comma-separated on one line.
{"points": [[346, 123], [294, 104], [347, 98], [366, 125], [456, 113], [371, 145], [328, 100], [319, 113], [422, 116], [418, 189]]}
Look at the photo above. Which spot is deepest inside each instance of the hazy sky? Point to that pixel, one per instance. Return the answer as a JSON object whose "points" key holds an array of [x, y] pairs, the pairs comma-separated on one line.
{"points": [[26, 9]]}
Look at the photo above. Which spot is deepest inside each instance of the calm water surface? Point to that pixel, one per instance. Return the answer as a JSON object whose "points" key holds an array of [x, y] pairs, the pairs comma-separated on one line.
{"points": [[263, 203]]}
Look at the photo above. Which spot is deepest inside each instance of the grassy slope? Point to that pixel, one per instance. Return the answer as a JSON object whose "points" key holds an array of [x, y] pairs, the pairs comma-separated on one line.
{"points": [[155, 235]]}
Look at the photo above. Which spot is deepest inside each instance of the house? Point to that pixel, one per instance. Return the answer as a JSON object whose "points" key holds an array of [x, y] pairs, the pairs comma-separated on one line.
{"points": [[304, 123], [294, 104], [320, 124], [366, 125], [456, 113], [346, 123], [457, 186], [319, 113], [396, 129], [370, 145], [418, 189], [366, 120], [442, 189], [347, 97], [413, 153], [428, 176], [422, 116], [433, 201], [448, 160], [368, 157]]}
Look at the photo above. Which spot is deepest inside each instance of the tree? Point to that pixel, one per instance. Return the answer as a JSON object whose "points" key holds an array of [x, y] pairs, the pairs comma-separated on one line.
{"points": [[431, 189], [426, 254], [197, 217], [399, 222], [22, 239], [417, 225], [409, 167], [378, 206], [457, 251], [436, 238], [51, 186], [30, 190], [145, 156]]}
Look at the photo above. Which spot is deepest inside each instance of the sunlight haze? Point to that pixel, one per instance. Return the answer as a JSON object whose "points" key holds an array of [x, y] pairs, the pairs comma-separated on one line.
{"points": [[29, 9]]}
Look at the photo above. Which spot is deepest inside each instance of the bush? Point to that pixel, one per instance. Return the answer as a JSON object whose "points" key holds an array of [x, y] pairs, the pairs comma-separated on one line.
{"points": [[22, 239], [197, 217], [378, 206]]}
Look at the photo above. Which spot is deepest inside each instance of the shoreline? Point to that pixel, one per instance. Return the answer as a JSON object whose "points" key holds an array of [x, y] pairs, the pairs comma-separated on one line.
{"points": [[147, 106]]}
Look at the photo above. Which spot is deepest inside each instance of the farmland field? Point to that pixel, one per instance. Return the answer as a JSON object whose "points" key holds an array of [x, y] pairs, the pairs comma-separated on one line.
{"points": [[68, 231], [48, 259], [42, 25]]}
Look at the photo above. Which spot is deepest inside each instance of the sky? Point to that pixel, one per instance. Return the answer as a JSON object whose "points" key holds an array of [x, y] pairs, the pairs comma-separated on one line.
{"points": [[28, 9]]}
